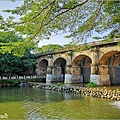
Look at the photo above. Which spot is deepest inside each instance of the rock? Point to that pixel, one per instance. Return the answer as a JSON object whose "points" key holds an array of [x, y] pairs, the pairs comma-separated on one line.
{"points": [[109, 96]]}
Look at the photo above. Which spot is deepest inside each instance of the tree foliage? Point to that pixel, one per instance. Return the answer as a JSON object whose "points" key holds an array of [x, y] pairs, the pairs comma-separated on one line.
{"points": [[9, 63], [46, 48], [40, 18], [12, 43], [28, 63], [71, 44]]}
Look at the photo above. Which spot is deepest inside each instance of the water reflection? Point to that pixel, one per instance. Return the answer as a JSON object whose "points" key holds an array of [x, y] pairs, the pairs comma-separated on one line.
{"points": [[16, 94], [32, 104], [115, 104]]}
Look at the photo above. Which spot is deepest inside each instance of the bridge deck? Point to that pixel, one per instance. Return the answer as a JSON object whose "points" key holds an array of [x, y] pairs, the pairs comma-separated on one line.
{"points": [[72, 48]]}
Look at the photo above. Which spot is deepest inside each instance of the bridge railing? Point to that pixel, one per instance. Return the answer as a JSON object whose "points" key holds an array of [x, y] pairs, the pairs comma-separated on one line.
{"points": [[70, 48], [100, 42]]}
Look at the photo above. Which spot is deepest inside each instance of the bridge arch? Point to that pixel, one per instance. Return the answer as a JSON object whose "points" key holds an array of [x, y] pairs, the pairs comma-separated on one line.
{"points": [[111, 60], [106, 56], [82, 66], [42, 67], [60, 57], [117, 60], [59, 66]]}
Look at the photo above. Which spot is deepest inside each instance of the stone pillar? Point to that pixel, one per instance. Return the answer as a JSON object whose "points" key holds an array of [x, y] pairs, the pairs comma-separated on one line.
{"points": [[49, 70], [76, 75], [53, 70], [49, 78], [68, 74], [92, 69], [49, 75], [68, 78], [104, 76], [76, 70], [94, 77]]}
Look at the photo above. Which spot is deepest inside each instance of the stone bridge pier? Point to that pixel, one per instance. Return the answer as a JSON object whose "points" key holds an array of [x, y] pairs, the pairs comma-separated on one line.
{"points": [[99, 64]]}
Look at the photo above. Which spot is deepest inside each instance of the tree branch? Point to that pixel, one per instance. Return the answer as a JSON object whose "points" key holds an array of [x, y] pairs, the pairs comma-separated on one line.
{"points": [[67, 11], [97, 12], [42, 10], [99, 9], [37, 14], [41, 23]]}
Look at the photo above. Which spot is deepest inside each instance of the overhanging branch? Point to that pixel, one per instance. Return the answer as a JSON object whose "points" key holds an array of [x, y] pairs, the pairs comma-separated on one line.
{"points": [[41, 23], [67, 11]]}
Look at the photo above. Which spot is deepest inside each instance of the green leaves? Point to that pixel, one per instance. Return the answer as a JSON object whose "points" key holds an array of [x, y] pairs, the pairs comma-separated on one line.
{"points": [[9, 63], [14, 44], [14, 64], [47, 48], [40, 18]]}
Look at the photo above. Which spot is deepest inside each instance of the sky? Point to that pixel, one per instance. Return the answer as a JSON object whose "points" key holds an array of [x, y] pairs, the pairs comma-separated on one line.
{"points": [[54, 39]]}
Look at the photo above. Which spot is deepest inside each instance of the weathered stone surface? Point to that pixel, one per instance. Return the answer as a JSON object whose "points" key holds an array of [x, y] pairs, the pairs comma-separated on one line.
{"points": [[81, 65]]}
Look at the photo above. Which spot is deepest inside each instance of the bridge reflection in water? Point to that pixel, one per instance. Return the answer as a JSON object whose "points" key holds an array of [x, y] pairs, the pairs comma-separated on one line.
{"points": [[29, 103]]}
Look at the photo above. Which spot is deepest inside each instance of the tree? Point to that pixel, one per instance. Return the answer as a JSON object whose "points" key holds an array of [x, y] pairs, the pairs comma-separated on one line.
{"points": [[28, 63], [11, 64], [71, 44], [12, 43], [80, 18], [49, 47]]}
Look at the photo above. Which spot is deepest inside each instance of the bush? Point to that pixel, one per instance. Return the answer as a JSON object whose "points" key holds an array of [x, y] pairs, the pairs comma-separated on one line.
{"points": [[58, 84], [91, 84], [12, 81]]}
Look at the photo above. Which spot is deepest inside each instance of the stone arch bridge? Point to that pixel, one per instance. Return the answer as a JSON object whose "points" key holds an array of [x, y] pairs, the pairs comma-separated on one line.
{"points": [[99, 63]]}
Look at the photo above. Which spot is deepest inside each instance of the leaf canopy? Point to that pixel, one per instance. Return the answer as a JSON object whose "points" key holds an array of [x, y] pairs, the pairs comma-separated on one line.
{"points": [[40, 18], [47, 48]]}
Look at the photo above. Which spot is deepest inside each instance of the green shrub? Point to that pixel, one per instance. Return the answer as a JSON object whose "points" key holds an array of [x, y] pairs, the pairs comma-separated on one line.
{"points": [[12, 81], [58, 84], [91, 84]]}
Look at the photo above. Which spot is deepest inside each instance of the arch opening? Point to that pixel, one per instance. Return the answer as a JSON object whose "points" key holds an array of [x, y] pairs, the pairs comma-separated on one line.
{"points": [[42, 68], [111, 66], [113, 63], [82, 67], [60, 68]]}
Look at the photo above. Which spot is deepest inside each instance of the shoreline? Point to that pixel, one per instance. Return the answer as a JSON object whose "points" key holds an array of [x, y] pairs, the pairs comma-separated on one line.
{"points": [[97, 92]]}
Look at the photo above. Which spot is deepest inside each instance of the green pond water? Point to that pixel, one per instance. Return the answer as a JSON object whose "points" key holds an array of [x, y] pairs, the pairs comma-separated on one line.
{"points": [[35, 104]]}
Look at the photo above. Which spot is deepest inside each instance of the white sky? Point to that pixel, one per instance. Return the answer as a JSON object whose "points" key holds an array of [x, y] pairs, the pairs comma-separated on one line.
{"points": [[56, 39]]}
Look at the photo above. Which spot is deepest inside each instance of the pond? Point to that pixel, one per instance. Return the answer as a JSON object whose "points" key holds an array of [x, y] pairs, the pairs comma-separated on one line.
{"points": [[35, 104]]}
